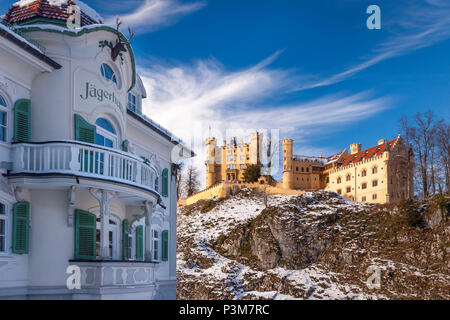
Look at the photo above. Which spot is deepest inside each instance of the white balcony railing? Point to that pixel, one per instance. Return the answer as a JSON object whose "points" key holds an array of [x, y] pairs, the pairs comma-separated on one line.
{"points": [[84, 159], [97, 274]]}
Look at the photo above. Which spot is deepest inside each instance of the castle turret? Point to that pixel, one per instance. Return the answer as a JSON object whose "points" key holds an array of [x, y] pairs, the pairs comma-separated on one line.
{"points": [[288, 173], [211, 177], [355, 148]]}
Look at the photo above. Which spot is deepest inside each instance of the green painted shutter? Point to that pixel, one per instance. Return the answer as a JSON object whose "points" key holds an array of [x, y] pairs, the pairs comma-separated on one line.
{"points": [[140, 243], [85, 235], [165, 183], [165, 245], [84, 131], [21, 227], [125, 144], [22, 120], [125, 231]]}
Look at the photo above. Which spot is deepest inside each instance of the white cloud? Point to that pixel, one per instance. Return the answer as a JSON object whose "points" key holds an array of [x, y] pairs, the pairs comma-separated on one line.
{"points": [[154, 14], [189, 99]]}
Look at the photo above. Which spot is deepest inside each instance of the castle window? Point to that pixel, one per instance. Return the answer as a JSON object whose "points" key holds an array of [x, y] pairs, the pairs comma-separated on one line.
{"points": [[374, 183], [339, 191], [375, 170], [339, 180], [374, 196], [296, 169], [364, 186], [349, 189], [303, 169], [328, 180], [348, 178], [363, 199], [364, 173], [307, 169]]}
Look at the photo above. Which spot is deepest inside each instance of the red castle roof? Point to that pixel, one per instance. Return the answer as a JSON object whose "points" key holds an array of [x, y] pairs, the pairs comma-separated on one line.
{"points": [[368, 153], [56, 10]]}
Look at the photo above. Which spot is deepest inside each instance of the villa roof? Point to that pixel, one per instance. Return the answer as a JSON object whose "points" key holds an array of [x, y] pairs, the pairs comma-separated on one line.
{"points": [[368, 153], [57, 10]]}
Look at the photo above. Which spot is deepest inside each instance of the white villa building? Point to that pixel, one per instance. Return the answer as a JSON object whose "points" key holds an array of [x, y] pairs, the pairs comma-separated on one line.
{"points": [[87, 183]]}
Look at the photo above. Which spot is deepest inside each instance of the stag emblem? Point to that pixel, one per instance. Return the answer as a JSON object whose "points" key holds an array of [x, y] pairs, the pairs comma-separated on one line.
{"points": [[120, 44]]}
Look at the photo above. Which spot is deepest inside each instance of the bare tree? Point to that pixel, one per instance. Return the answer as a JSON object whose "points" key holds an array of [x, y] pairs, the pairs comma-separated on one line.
{"points": [[180, 180], [271, 147], [443, 147], [192, 182], [423, 137]]}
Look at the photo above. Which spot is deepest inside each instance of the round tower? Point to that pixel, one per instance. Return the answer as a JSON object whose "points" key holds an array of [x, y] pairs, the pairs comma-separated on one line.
{"points": [[211, 145], [288, 173]]}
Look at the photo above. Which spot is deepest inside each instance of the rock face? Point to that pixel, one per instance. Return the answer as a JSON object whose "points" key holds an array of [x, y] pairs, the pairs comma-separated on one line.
{"points": [[313, 246]]}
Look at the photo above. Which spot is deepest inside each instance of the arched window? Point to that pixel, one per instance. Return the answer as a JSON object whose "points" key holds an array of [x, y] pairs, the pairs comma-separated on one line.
{"points": [[106, 134], [3, 119], [374, 170], [349, 177], [364, 173], [339, 180], [109, 75]]}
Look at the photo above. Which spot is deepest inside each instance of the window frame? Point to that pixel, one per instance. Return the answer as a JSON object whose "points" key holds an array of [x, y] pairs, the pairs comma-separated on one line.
{"points": [[7, 218], [5, 108], [158, 240], [116, 231], [135, 104], [115, 74], [100, 131]]}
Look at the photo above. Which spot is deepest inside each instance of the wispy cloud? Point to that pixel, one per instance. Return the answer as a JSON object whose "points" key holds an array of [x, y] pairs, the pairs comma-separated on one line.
{"points": [[422, 24], [151, 15]]}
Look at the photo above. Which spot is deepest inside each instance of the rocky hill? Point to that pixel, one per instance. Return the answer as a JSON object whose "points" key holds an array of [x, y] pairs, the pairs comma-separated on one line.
{"points": [[313, 246]]}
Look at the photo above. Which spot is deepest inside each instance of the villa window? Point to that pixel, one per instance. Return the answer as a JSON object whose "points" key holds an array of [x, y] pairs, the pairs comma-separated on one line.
{"points": [[106, 134], [109, 75], [113, 236], [156, 246], [132, 105], [3, 228], [3, 120]]}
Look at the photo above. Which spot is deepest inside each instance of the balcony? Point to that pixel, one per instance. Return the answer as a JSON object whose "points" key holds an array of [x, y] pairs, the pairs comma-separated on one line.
{"points": [[83, 160], [95, 274]]}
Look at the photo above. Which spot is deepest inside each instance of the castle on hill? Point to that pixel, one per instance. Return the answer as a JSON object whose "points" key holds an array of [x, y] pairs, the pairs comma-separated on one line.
{"points": [[380, 174]]}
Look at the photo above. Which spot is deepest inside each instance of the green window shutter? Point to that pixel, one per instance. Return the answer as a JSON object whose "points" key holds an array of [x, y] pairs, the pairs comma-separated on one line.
{"points": [[125, 144], [165, 183], [125, 231], [140, 243], [85, 235], [22, 120], [21, 227], [84, 131], [165, 245]]}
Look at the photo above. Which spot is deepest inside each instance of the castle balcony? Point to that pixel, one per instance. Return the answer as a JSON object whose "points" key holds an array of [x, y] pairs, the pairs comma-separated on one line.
{"points": [[81, 164]]}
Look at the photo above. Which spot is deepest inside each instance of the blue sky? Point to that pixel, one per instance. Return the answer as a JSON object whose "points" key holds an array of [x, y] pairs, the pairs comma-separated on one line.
{"points": [[310, 68]]}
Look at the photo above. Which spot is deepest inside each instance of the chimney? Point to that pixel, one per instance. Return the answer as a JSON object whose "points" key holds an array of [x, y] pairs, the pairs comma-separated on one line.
{"points": [[381, 142], [355, 148]]}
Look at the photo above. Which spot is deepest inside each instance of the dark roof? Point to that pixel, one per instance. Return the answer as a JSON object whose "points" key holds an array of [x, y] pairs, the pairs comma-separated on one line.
{"points": [[22, 43], [19, 14]]}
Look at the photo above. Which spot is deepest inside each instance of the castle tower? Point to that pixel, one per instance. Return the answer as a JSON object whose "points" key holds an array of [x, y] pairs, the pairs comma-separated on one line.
{"points": [[355, 148], [211, 178], [288, 173], [256, 146]]}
